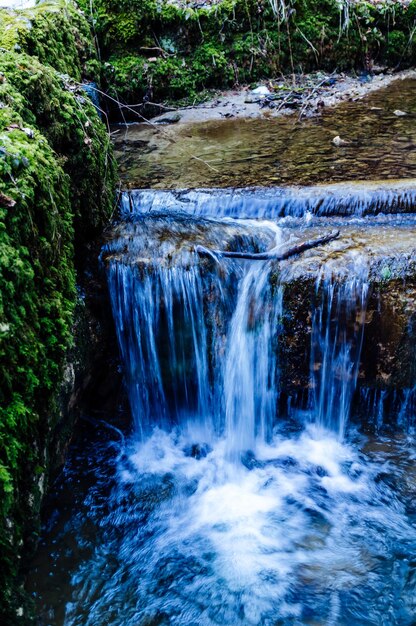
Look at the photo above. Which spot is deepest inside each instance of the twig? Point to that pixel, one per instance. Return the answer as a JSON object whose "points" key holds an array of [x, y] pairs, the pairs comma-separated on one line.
{"points": [[269, 256], [311, 94], [157, 127], [314, 50], [156, 49]]}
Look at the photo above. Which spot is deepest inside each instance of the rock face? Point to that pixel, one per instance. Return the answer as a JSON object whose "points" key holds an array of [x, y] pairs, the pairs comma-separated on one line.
{"points": [[56, 193]]}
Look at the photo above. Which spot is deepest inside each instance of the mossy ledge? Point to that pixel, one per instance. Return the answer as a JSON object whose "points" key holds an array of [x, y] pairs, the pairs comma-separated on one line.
{"points": [[162, 50], [57, 181]]}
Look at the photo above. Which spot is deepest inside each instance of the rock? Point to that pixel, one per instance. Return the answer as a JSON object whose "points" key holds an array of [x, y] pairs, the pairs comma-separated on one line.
{"points": [[6, 201], [337, 141], [379, 69], [261, 91], [399, 113], [169, 118]]}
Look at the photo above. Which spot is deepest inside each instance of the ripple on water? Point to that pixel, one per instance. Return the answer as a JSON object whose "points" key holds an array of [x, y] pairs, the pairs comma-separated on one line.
{"points": [[309, 534]]}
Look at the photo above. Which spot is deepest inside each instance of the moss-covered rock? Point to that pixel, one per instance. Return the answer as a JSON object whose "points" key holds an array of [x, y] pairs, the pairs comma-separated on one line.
{"points": [[36, 302], [66, 116], [57, 180], [155, 49], [57, 33]]}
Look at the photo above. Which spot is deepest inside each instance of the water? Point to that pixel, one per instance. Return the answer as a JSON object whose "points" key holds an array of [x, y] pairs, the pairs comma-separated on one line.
{"points": [[217, 508], [278, 152], [198, 347], [312, 531], [266, 474], [337, 336], [359, 199]]}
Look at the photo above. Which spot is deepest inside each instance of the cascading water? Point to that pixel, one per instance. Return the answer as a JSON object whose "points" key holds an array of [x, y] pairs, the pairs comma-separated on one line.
{"points": [[250, 373], [337, 335], [163, 341], [198, 350], [220, 509]]}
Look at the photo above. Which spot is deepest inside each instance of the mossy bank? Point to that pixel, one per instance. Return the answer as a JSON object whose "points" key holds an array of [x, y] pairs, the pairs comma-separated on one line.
{"points": [[157, 50], [57, 182]]}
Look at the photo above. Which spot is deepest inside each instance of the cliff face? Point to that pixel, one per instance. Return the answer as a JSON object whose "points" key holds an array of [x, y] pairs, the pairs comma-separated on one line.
{"points": [[57, 182], [170, 49]]}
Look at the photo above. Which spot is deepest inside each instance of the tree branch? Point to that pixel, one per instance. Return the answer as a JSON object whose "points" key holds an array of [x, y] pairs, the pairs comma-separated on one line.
{"points": [[268, 256]]}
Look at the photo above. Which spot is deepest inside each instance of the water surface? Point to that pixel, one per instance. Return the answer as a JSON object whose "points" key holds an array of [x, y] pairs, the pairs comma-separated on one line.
{"points": [[218, 504], [278, 151]]}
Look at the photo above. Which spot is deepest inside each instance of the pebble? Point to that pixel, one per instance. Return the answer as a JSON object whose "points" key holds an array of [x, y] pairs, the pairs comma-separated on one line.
{"points": [[337, 141], [261, 91]]}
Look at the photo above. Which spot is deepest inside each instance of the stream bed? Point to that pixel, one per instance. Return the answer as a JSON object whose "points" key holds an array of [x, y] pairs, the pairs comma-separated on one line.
{"points": [[379, 134], [263, 473]]}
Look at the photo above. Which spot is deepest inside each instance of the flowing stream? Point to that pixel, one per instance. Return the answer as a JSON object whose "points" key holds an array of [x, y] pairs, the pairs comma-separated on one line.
{"points": [[235, 499], [217, 509]]}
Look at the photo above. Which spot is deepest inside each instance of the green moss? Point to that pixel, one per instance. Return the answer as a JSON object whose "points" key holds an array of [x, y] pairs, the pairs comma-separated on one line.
{"points": [[36, 303], [154, 49], [57, 33], [168, 77], [68, 119], [57, 180]]}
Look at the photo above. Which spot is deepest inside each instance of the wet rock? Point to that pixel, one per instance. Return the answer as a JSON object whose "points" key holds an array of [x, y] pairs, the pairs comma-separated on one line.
{"points": [[250, 100], [399, 113], [169, 118], [261, 91]]}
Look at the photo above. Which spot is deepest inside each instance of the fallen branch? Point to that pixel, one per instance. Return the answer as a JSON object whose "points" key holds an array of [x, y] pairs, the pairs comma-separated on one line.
{"points": [[156, 49], [311, 94], [149, 123], [269, 256]]}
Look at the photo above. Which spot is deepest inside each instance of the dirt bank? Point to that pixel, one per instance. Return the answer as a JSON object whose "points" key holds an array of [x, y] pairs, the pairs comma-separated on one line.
{"points": [[309, 95]]}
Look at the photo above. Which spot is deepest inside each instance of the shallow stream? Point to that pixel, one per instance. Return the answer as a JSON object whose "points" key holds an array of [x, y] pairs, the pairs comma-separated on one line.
{"points": [[227, 495], [379, 145]]}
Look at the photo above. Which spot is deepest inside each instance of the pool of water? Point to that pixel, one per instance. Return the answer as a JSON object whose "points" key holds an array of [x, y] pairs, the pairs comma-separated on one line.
{"points": [[310, 531], [278, 151]]}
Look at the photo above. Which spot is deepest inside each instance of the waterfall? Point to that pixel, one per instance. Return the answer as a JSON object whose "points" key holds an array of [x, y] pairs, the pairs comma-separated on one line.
{"points": [[336, 341], [250, 365], [337, 199], [199, 343], [160, 322], [199, 349], [221, 509]]}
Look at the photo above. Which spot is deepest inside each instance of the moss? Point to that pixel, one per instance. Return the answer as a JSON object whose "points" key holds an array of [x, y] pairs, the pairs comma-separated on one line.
{"points": [[57, 33], [168, 77], [36, 303], [68, 119], [57, 181], [159, 50]]}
